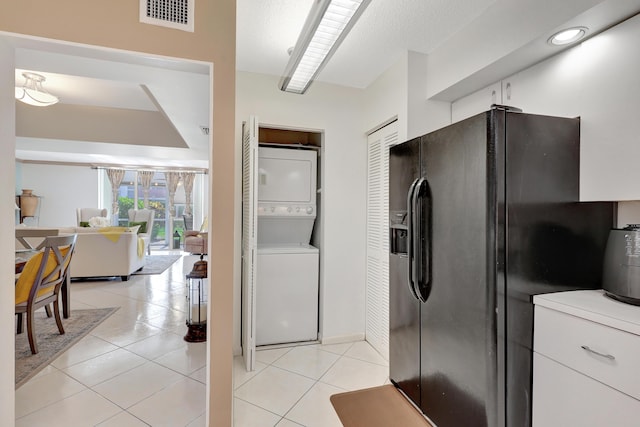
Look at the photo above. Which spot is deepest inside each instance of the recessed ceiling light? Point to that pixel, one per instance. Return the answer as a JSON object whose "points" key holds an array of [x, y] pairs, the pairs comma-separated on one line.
{"points": [[568, 36]]}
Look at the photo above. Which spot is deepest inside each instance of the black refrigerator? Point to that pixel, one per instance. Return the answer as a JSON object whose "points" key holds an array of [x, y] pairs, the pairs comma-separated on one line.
{"points": [[484, 214]]}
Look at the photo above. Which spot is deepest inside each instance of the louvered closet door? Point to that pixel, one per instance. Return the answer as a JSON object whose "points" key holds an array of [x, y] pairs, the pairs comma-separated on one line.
{"points": [[377, 287], [249, 238]]}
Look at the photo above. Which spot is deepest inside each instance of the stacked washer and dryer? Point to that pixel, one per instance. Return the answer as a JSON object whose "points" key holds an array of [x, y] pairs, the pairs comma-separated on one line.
{"points": [[287, 265]]}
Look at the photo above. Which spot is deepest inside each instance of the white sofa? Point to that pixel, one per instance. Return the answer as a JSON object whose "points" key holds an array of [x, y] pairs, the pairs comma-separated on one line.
{"points": [[100, 254]]}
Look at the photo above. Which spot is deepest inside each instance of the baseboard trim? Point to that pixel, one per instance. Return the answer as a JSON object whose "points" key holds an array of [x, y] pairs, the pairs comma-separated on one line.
{"points": [[338, 339], [341, 339]]}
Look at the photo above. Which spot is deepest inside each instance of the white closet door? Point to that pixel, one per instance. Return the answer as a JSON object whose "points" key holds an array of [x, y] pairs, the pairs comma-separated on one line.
{"points": [[249, 238], [377, 286]]}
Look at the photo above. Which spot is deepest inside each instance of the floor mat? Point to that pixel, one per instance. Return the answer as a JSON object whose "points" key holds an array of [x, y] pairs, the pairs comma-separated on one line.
{"points": [[50, 343], [156, 264], [382, 406]]}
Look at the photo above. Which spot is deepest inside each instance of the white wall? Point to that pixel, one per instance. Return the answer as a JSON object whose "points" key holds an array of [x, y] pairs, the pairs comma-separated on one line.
{"points": [[7, 177], [344, 115], [423, 115], [336, 111], [401, 91], [386, 98], [63, 189]]}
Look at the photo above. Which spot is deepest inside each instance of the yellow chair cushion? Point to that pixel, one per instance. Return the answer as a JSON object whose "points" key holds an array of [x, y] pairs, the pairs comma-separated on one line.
{"points": [[29, 273]]}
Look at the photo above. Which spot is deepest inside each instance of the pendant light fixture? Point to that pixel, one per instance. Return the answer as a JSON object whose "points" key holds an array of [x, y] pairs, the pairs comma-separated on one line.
{"points": [[33, 93], [328, 23]]}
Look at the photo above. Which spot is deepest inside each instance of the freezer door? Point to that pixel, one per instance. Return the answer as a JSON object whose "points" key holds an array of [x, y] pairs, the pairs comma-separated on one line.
{"points": [[459, 347], [404, 308]]}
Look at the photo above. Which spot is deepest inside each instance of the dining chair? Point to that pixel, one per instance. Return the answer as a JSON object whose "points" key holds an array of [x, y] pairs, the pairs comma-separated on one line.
{"points": [[27, 237], [40, 283], [33, 239]]}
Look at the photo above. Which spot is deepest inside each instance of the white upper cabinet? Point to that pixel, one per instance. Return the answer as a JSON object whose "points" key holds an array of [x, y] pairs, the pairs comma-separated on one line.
{"points": [[550, 88], [598, 81], [610, 111], [476, 103]]}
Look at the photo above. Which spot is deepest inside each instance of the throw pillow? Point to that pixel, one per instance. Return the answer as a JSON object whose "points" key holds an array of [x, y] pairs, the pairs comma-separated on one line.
{"points": [[84, 224], [99, 221], [142, 224]]}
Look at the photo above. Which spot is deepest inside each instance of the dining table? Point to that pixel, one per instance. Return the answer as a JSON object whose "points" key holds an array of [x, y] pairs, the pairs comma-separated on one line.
{"points": [[23, 256]]}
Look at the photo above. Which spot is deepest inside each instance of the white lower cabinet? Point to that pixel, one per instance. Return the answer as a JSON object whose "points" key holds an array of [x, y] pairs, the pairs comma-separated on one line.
{"points": [[564, 397], [586, 363]]}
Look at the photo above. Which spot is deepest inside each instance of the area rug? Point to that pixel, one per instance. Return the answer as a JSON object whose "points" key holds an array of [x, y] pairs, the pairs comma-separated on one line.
{"points": [[382, 406], [50, 343], [156, 264]]}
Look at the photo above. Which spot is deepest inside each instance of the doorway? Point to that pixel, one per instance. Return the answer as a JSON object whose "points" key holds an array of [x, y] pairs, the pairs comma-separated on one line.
{"points": [[27, 51], [281, 226]]}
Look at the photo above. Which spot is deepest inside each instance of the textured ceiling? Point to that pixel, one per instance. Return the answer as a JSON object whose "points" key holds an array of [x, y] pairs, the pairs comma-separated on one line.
{"points": [[266, 29], [489, 32], [115, 107]]}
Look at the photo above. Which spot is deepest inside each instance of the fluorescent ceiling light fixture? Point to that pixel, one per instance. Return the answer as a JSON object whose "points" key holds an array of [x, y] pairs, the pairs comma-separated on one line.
{"points": [[568, 36], [32, 92], [328, 23]]}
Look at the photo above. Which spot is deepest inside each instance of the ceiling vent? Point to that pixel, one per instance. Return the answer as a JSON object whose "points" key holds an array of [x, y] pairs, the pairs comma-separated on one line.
{"points": [[176, 14]]}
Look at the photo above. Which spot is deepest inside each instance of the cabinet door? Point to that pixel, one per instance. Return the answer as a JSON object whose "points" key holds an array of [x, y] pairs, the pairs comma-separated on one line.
{"points": [[551, 87], [564, 397], [610, 113], [476, 103]]}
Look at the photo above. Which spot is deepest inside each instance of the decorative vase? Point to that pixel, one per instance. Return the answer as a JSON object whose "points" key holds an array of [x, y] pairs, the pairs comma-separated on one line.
{"points": [[28, 203]]}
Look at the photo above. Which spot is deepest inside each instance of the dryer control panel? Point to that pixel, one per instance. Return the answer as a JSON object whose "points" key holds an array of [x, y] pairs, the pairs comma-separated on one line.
{"points": [[275, 209]]}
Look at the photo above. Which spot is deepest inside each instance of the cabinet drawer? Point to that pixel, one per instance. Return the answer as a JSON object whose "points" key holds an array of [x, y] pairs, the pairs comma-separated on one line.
{"points": [[573, 342], [564, 397]]}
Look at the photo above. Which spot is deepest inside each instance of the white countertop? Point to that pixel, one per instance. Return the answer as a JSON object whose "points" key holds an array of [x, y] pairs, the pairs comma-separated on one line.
{"points": [[594, 305]]}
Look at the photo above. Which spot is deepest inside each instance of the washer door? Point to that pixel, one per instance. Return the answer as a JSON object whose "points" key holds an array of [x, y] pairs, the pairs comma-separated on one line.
{"points": [[287, 297]]}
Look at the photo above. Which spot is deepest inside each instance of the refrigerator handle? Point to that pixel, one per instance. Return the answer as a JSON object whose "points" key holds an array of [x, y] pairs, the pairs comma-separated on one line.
{"points": [[411, 237], [422, 240]]}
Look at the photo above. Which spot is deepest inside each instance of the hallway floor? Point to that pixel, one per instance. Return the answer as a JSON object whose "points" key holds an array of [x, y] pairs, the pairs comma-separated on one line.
{"points": [[135, 369]]}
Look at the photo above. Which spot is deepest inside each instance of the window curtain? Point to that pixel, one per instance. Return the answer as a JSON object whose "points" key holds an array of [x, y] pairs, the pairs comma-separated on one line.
{"points": [[172, 185], [145, 180], [187, 181], [115, 179]]}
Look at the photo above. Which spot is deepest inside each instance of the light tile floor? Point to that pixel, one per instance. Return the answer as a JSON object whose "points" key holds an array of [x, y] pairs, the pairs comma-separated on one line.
{"points": [[135, 369]]}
